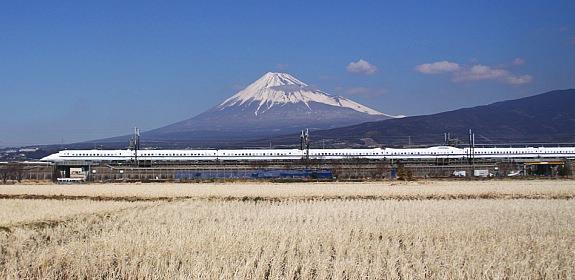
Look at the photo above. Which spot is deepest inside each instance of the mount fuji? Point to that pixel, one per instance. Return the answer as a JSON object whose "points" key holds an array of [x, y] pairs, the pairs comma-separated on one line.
{"points": [[277, 103]]}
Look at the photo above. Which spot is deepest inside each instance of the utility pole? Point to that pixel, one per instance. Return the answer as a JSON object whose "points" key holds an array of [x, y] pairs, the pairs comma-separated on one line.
{"points": [[471, 146], [136, 144], [447, 137], [473, 141], [306, 143]]}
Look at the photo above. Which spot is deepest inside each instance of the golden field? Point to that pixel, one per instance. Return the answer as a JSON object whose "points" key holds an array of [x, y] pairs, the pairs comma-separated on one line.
{"points": [[415, 230], [14, 212], [331, 190]]}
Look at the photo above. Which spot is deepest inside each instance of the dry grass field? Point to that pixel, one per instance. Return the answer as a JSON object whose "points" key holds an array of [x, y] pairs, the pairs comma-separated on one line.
{"points": [[14, 212], [374, 190], [416, 230]]}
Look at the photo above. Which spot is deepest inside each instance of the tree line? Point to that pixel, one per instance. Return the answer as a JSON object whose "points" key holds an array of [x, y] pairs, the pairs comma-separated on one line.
{"points": [[11, 171]]}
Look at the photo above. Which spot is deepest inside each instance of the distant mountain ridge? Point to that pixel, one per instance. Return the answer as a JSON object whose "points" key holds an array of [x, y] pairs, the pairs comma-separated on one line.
{"points": [[547, 117]]}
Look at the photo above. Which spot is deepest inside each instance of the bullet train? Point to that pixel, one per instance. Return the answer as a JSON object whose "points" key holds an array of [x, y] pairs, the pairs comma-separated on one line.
{"points": [[438, 152]]}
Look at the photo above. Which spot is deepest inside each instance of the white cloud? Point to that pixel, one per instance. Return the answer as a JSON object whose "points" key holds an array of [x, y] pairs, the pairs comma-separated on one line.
{"points": [[482, 72], [362, 67], [477, 72], [519, 80], [437, 67], [518, 61]]}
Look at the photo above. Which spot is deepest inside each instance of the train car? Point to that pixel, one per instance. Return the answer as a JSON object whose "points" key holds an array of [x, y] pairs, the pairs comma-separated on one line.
{"points": [[437, 152]]}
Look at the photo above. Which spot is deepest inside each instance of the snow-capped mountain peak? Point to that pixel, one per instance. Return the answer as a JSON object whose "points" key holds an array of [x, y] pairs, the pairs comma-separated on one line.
{"points": [[277, 89], [271, 79]]}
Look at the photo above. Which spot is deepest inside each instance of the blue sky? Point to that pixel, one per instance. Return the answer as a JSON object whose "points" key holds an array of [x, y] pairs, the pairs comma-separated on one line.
{"points": [[80, 70]]}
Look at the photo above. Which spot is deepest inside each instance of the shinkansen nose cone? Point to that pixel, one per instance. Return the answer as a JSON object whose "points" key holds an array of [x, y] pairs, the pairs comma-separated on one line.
{"points": [[51, 158]]}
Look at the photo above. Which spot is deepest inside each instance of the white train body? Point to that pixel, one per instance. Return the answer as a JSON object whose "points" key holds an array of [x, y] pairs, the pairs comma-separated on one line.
{"points": [[438, 152]]}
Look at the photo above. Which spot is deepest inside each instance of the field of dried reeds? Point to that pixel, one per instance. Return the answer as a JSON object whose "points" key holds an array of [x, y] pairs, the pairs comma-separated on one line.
{"points": [[491, 229], [561, 189]]}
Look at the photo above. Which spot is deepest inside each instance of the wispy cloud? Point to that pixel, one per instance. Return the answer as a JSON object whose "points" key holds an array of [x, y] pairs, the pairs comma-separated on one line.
{"points": [[476, 72], [437, 67], [518, 61], [519, 80], [361, 67], [482, 72]]}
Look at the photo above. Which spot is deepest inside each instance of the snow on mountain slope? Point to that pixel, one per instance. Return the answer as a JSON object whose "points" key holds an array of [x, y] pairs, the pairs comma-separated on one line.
{"points": [[274, 89]]}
